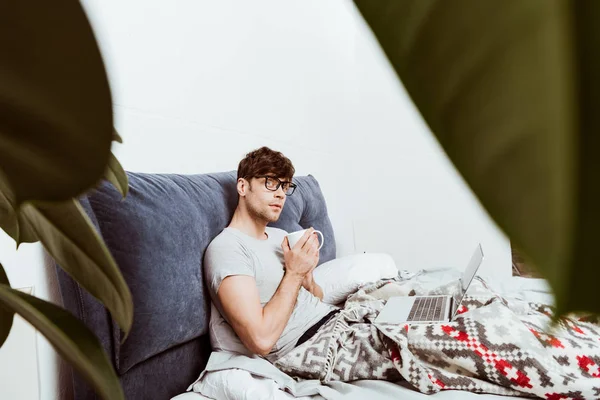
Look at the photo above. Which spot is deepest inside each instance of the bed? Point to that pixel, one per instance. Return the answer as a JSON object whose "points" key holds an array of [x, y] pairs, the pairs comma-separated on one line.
{"points": [[158, 236], [257, 384]]}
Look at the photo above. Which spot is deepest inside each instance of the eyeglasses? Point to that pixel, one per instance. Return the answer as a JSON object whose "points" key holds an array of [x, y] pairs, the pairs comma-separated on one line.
{"points": [[273, 184]]}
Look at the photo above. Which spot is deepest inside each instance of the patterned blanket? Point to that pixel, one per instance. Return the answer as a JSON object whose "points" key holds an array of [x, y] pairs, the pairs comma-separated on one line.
{"points": [[495, 345]]}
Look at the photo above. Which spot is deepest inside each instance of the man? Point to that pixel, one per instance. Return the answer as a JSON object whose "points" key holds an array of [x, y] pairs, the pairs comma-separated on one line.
{"points": [[265, 300]]}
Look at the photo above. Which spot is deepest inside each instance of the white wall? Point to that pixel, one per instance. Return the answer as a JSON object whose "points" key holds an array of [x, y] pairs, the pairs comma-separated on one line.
{"points": [[197, 84], [413, 203]]}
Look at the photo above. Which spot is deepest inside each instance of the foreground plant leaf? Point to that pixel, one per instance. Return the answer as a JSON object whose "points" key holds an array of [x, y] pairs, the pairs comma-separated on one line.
{"points": [[70, 238], [56, 123], [116, 137], [510, 89], [11, 221], [6, 314], [116, 175], [8, 216], [69, 336]]}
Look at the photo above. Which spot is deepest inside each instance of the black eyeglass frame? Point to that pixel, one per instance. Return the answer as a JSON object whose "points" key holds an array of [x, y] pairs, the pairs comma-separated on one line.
{"points": [[293, 186]]}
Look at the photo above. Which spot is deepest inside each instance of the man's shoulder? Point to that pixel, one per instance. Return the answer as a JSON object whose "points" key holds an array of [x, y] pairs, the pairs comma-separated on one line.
{"points": [[225, 239], [224, 250]]}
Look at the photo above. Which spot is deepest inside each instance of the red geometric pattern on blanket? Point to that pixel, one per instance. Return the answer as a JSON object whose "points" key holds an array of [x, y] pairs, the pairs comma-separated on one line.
{"points": [[589, 366], [514, 362], [546, 339], [573, 346], [515, 375]]}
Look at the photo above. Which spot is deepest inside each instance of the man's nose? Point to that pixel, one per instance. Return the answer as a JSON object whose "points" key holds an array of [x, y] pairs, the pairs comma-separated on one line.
{"points": [[280, 193]]}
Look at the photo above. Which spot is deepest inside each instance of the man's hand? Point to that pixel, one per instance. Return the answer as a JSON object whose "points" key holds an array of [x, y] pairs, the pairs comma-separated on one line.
{"points": [[308, 281], [309, 284], [303, 257]]}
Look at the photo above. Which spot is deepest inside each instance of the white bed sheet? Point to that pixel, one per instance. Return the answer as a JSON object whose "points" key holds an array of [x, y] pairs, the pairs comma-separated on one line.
{"points": [[261, 388], [380, 390], [241, 389]]}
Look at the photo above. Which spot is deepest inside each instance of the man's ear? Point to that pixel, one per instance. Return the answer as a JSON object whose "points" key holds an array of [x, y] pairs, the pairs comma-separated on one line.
{"points": [[242, 186]]}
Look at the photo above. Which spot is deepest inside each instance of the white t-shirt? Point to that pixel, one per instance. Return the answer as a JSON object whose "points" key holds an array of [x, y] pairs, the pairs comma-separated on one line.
{"points": [[233, 252]]}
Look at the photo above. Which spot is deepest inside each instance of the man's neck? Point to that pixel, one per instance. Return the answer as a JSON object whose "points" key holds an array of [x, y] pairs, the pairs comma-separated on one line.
{"points": [[242, 221]]}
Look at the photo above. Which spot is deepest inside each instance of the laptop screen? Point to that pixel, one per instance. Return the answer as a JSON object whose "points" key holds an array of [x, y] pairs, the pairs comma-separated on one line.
{"points": [[467, 278]]}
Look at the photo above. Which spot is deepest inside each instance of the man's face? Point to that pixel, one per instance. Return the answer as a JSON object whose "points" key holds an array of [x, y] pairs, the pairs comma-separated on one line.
{"points": [[265, 204]]}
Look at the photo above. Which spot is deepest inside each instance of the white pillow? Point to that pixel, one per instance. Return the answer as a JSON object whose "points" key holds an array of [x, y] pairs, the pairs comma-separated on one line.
{"points": [[341, 277]]}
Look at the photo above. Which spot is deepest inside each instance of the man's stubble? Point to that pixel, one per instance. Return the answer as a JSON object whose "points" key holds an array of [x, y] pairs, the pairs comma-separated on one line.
{"points": [[260, 215]]}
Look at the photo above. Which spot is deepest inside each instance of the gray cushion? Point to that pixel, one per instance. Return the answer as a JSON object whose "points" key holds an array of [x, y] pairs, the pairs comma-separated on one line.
{"points": [[158, 236]]}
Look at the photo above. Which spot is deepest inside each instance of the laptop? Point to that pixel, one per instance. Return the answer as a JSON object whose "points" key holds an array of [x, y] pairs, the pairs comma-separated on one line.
{"points": [[430, 309]]}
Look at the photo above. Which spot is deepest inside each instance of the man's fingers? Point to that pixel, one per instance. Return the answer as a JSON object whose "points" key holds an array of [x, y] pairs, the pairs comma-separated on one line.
{"points": [[310, 244], [285, 245], [306, 237], [315, 259], [316, 246], [315, 243]]}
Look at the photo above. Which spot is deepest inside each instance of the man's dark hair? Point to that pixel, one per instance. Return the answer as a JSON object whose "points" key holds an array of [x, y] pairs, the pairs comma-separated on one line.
{"points": [[265, 161]]}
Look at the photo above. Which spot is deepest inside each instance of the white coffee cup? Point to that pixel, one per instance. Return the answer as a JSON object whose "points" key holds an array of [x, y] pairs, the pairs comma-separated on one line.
{"points": [[295, 236]]}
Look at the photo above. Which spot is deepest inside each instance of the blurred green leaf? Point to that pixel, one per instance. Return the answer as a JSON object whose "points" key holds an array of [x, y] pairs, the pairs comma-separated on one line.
{"points": [[117, 137], [6, 314], [11, 221], [26, 231], [510, 89], [70, 337], [8, 216], [70, 238], [116, 175], [56, 123]]}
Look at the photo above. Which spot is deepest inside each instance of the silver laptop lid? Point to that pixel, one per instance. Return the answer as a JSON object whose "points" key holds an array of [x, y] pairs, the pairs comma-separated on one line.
{"points": [[467, 278]]}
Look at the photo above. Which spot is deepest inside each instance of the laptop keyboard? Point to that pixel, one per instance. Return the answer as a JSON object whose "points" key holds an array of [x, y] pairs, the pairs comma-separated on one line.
{"points": [[428, 309]]}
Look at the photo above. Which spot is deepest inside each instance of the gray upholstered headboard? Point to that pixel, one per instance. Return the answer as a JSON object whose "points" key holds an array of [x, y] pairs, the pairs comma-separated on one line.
{"points": [[158, 236]]}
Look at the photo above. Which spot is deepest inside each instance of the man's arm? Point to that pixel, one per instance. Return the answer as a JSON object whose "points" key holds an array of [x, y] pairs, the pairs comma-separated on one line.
{"points": [[259, 327]]}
